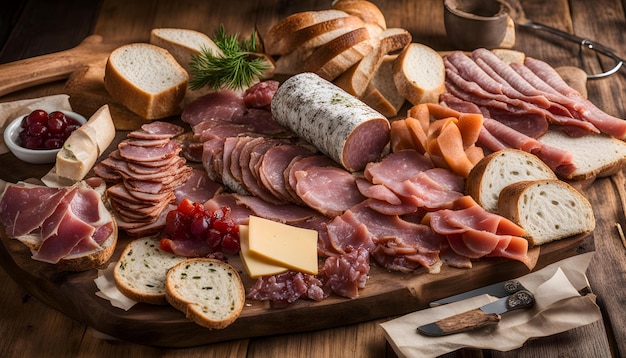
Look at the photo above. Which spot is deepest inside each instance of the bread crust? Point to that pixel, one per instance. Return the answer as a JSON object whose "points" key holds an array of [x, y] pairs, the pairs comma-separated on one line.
{"points": [[513, 200], [336, 56], [148, 105], [413, 90], [366, 10], [190, 308]]}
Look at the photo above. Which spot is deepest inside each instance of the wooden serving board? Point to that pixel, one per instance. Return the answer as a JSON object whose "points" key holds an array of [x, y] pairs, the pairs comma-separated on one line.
{"points": [[386, 294]]}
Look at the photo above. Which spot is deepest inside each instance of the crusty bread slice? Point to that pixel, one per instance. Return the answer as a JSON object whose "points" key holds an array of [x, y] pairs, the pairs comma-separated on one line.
{"points": [[141, 271], [419, 74], [548, 210], [147, 79], [275, 41], [209, 292], [594, 155], [357, 78], [318, 34], [335, 57], [502, 168], [366, 10], [509, 56], [183, 44], [382, 94]]}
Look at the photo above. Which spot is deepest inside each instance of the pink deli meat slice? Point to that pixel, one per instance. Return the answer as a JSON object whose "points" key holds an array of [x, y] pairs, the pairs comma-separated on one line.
{"points": [[224, 105], [198, 188], [260, 95], [273, 165], [148, 154], [285, 213], [329, 190], [37, 204]]}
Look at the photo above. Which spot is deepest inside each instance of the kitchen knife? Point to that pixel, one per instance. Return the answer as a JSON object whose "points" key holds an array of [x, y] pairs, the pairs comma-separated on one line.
{"points": [[500, 289], [479, 317]]}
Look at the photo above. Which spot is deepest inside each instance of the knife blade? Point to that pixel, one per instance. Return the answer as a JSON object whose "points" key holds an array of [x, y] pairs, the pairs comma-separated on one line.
{"points": [[500, 289], [479, 317]]}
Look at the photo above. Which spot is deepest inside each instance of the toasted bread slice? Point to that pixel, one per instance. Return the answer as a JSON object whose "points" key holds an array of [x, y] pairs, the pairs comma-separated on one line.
{"points": [[382, 94], [208, 291], [141, 270]]}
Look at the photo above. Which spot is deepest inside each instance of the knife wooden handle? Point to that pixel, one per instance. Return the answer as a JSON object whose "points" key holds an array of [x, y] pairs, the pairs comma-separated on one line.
{"points": [[56, 66], [460, 323]]}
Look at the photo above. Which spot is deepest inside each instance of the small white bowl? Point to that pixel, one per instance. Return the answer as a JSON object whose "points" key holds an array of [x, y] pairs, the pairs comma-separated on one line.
{"points": [[33, 156]]}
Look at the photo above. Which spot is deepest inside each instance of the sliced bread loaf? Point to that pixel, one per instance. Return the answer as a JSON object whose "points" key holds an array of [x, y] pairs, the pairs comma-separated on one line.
{"points": [[335, 57], [366, 10], [419, 74], [141, 271], [209, 292], [147, 79], [183, 44], [594, 155], [548, 210], [382, 94], [276, 40], [356, 79], [499, 169]]}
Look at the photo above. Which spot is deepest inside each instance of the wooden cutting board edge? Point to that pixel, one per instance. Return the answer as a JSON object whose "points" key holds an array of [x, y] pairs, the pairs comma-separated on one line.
{"points": [[386, 294]]}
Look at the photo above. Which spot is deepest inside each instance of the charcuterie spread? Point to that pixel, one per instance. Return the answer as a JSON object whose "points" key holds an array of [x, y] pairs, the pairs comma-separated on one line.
{"points": [[375, 156]]}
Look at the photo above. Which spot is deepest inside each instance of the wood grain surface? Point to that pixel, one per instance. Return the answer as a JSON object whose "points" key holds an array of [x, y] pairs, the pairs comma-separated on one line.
{"points": [[31, 327]]}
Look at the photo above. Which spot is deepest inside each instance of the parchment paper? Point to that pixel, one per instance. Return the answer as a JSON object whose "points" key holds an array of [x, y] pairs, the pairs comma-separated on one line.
{"points": [[559, 307], [11, 110]]}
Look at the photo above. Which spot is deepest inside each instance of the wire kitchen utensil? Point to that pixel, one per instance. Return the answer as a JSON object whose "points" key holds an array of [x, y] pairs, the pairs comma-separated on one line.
{"points": [[517, 14]]}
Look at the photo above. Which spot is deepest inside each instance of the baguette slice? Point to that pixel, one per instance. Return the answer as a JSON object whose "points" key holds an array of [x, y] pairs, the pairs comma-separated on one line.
{"points": [[500, 169], [209, 292], [147, 79], [366, 10], [141, 271], [335, 57], [594, 155], [548, 210], [357, 78], [382, 94], [275, 41], [419, 74], [183, 44]]}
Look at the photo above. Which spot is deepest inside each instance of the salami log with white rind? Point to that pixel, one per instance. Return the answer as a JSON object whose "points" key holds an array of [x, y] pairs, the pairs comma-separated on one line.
{"points": [[337, 123]]}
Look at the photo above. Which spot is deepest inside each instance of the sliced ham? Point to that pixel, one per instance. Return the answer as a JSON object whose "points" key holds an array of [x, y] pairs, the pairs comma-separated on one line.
{"points": [[329, 190], [223, 105], [198, 188], [285, 213], [273, 166], [38, 203], [260, 95]]}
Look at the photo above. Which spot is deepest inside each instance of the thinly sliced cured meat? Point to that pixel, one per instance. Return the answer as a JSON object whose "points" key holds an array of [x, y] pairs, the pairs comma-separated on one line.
{"points": [[148, 154], [377, 191], [39, 203], [338, 124], [286, 213], [238, 213], [603, 121], [346, 234], [329, 190], [223, 105], [396, 168], [198, 188], [273, 165]]}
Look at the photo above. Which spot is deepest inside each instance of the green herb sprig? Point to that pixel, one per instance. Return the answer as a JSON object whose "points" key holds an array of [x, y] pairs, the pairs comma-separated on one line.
{"points": [[237, 68]]}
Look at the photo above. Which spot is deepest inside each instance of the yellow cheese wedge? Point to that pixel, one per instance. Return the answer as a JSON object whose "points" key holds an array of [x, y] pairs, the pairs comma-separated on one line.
{"points": [[283, 245], [255, 267]]}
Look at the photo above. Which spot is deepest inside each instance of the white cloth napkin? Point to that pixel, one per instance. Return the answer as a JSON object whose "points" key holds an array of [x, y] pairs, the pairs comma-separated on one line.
{"points": [[558, 308]]}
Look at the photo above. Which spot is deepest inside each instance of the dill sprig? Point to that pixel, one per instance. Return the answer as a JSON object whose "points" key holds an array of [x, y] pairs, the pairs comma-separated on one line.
{"points": [[235, 69]]}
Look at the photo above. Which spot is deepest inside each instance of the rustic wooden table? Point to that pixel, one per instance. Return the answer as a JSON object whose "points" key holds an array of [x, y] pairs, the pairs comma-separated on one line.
{"points": [[36, 27]]}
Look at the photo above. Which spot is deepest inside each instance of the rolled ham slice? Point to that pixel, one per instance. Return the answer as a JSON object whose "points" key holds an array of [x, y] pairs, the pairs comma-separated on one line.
{"points": [[337, 123]]}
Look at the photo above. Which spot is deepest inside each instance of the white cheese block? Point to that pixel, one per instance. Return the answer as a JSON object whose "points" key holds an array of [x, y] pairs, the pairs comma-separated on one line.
{"points": [[283, 245], [255, 267]]}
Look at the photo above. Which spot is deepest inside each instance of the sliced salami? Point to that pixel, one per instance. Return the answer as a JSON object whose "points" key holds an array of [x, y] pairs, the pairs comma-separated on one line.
{"points": [[337, 123]]}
